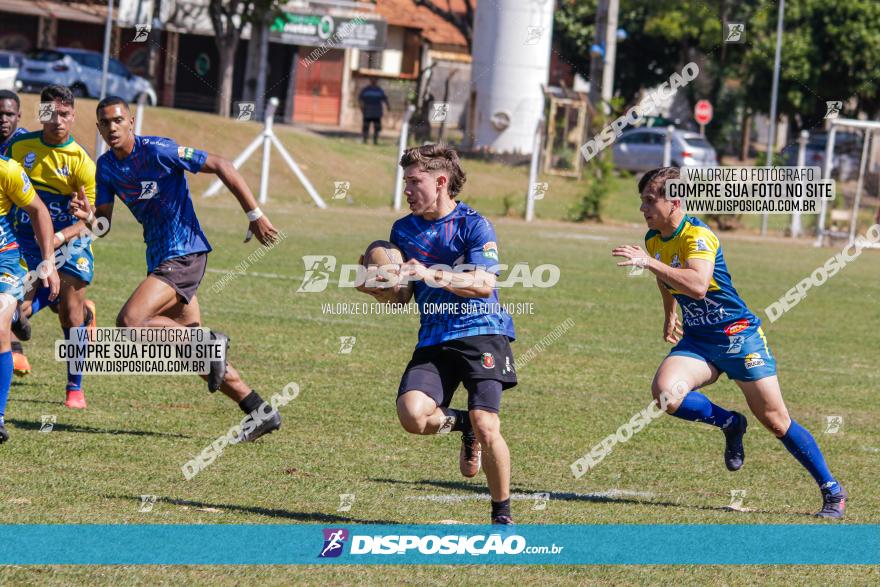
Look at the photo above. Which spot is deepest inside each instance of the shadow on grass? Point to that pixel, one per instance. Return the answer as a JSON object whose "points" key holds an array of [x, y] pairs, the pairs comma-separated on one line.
{"points": [[272, 513], [571, 496], [35, 401], [62, 427]]}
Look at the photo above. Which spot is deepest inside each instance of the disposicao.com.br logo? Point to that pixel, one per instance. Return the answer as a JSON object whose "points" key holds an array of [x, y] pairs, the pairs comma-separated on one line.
{"points": [[321, 269], [430, 545]]}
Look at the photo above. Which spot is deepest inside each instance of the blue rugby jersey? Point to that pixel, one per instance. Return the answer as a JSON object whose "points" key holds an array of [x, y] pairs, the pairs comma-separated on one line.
{"points": [[461, 237], [722, 312], [152, 183], [4, 146]]}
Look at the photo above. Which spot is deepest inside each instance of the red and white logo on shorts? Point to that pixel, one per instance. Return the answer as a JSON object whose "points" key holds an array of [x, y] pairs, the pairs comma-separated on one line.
{"points": [[488, 361]]}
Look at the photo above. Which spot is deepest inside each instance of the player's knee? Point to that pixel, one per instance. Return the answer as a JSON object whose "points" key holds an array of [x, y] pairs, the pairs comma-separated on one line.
{"points": [[126, 319], [412, 423], [667, 395], [777, 422], [486, 425]]}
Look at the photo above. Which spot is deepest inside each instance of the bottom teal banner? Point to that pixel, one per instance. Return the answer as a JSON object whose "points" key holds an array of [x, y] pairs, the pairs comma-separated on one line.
{"points": [[288, 544]]}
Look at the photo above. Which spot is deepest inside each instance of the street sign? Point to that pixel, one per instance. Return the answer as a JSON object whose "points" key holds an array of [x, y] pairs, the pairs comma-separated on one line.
{"points": [[703, 114]]}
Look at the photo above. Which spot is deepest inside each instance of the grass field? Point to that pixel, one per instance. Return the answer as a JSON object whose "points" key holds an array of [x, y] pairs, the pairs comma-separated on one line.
{"points": [[341, 435], [492, 188]]}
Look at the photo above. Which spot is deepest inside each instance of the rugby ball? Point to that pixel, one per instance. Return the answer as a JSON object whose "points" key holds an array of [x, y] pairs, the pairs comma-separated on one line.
{"points": [[382, 260]]}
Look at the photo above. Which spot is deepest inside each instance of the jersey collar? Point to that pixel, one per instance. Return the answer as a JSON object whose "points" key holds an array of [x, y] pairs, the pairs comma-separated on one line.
{"points": [[64, 144], [677, 230]]}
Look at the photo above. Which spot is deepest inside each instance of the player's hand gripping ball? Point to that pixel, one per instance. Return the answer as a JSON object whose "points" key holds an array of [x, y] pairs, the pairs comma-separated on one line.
{"points": [[383, 260]]}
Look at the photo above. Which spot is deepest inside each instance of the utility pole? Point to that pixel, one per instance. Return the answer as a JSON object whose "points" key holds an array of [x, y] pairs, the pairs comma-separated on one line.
{"points": [[774, 96], [604, 54]]}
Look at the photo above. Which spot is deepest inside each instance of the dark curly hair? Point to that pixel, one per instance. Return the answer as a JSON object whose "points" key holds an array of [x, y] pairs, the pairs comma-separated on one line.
{"points": [[434, 157]]}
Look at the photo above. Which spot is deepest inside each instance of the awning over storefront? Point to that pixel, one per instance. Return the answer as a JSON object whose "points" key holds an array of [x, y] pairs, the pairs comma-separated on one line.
{"points": [[75, 11]]}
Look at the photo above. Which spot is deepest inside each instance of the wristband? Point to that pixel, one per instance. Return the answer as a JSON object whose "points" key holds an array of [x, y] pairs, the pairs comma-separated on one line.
{"points": [[255, 214], [61, 238], [91, 219]]}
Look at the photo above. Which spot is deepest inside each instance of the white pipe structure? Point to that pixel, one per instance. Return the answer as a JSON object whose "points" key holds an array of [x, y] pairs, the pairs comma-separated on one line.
{"points": [[861, 183], [801, 159], [401, 147], [139, 117], [826, 174], [667, 146], [870, 128], [267, 138], [533, 171]]}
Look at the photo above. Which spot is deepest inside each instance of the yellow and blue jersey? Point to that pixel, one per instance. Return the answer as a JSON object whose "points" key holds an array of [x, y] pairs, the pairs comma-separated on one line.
{"points": [[16, 189], [57, 172], [722, 311], [461, 237]]}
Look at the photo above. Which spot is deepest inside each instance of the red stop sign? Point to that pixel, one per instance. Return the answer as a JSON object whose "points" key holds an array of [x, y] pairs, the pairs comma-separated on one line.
{"points": [[703, 112]]}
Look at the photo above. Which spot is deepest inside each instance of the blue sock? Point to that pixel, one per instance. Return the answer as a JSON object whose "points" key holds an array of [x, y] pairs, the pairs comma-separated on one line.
{"points": [[696, 407], [5, 380], [74, 381], [801, 444], [41, 300]]}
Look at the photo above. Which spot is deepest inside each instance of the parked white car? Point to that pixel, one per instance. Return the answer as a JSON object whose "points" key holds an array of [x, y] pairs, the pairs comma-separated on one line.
{"points": [[10, 62]]}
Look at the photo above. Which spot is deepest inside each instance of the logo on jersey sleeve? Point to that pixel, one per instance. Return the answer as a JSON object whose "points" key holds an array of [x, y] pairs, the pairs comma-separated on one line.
{"points": [[490, 250], [25, 183], [185, 152], [700, 245], [753, 360], [149, 189], [29, 160]]}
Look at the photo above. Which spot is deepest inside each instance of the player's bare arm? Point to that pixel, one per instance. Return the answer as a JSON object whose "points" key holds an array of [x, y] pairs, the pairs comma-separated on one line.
{"points": [[232, 179], [467, 284], [42, 222], [672, 331], [692, 280]]}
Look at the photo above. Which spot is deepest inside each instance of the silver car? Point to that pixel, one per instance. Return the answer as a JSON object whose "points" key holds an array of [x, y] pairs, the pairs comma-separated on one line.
{"points": [[80, 70], [10, 62], [642, 149]]}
